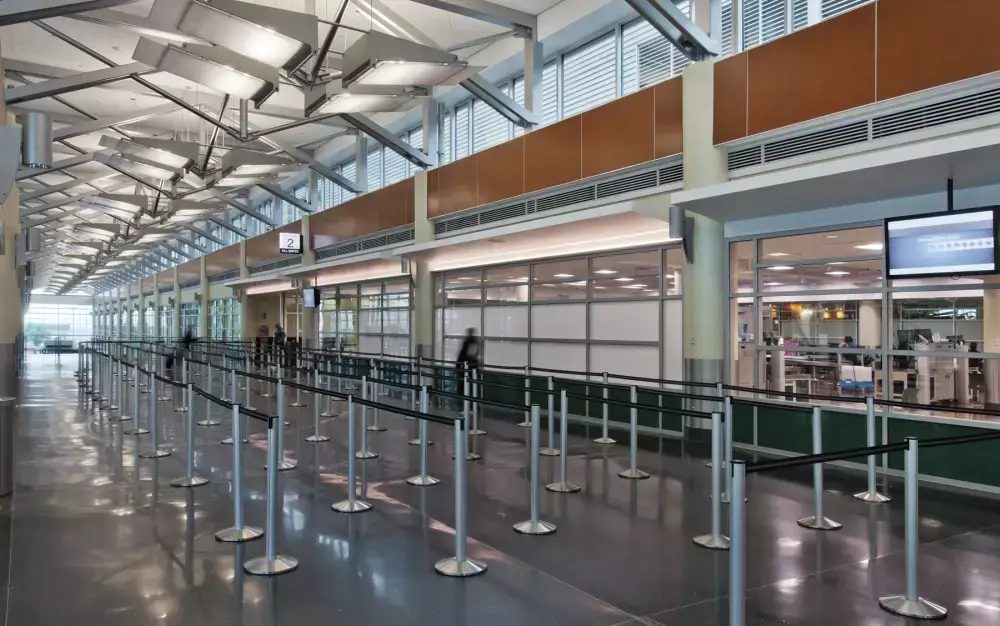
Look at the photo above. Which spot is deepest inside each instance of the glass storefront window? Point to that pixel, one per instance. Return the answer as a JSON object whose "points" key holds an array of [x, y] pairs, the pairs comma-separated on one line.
{"points": [[741, 266], [837, 275], [560, 271], [821, 245], [503, 275], [574, 290], [673, 271]]}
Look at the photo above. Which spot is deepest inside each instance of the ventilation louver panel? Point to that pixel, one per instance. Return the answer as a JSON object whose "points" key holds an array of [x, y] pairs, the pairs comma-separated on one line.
{"points": [[188, 284], [856, 132], [224, 276], [636, 182], [566, 198], [955, 110], [672, 174], [371, 243], [275, 265], [746, 157]]}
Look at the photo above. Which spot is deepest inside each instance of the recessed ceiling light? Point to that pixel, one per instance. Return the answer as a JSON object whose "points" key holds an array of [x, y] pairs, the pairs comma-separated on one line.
{"points": [[777, 254], [831, 236], [869, 246], [605, 271], [562, 276], [636, 286], [624, 280], [773, 284], [780, 268], [837, 273], [837, 263]]}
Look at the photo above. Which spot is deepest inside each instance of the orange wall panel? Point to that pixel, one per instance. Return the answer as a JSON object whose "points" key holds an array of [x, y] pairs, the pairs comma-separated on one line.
{"points": [[823, 69], [189, 270], [730, 106], [618, 134], [553, 155], [923, 44], [500, 172], [668, 122], [456, 186], [222, 260]]}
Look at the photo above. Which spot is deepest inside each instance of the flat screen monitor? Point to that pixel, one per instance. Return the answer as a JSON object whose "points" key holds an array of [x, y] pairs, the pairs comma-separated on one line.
{"points": [[309, 298], [942, 244]]}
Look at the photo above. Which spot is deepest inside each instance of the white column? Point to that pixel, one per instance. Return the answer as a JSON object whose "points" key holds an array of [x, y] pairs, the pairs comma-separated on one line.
{"points": [[203, 330], [870, 323], [177, 307], [533, 68], [157, 319], [361, 163], [10, 293]]}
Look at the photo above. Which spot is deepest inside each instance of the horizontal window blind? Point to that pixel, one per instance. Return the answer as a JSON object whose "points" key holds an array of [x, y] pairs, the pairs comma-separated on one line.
{"points": [[395, 166], [446, 148], [462, 120], [727, 43], [375, 169], [417, 141], [348, 171], [488, 127], [550, 93], [589, 75], [832, 8]]}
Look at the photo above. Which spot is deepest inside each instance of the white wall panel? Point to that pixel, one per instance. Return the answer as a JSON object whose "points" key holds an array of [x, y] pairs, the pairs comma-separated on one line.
{"points": [[450, 350], [396, 321], [396, 346], [627, 360], [506, 321], [559, 321], [370, 345], [625, 321], [458, 319], [505, 352], [559, 356], [673, 340]]}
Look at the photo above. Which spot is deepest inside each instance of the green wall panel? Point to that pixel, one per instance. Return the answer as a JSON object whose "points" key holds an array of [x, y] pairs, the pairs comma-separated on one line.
{"points": [[843, 431], [742, 423], [970, 462], [784, 429]]}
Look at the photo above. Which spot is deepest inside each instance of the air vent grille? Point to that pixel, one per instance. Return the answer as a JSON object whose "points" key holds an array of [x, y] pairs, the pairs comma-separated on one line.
{"points": [[275, 265], [672, 174], [957, 109], [188, 284], [504, 213], [166, 289], [566, 198], [371, 243], [636, 182], [224, 276]]}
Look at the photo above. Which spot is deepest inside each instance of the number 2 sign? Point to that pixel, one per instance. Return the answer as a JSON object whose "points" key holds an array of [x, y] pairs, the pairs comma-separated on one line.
{"points": [[290, 243]]}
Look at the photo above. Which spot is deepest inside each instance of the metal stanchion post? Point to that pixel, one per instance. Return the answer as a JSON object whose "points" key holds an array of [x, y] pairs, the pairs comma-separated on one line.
{"points": [[633, 447], [154, 427], [298, 392], [114, 393], [738, 551], [351, 504], [818, 521], [185, 400], [163, 372], [190, 480], [316, 437], [562, 486], [272, 563], [123, 401], [246, 388], [727, 455], [238, 531], [329, 399], [364, 452], [604, 422], [550, 450], [527, 398], [716, 540], [138, 429], [423, 479], [283, 464], [460, 565], [376, 384], [910, 604], [872, 495], [534, 526]]}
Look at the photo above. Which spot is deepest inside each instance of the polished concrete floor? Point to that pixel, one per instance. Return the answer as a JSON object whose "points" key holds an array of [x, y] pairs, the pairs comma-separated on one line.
{"points": [[95, 536]]}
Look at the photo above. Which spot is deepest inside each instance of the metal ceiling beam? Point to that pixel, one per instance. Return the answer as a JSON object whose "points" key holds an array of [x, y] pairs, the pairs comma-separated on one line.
{"points": [[488, 39], [233, 228], [278, 192], [338, 16], [190, 242], [27, 172], [57, 86], [70, 184], [244, 208], [20, 11], [319, 168], [670, 21], [485, 12], [76, 130], [501, 102], [176, 250], [204, 233], [54, 205], [136, 24], [388, 139], [391, 22]]}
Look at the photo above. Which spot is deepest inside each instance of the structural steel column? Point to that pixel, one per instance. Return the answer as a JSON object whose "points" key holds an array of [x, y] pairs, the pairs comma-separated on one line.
{"points": [[177, 306], [10, 296], [157, 320], [309, 328], [205, 298], [533, 68]]}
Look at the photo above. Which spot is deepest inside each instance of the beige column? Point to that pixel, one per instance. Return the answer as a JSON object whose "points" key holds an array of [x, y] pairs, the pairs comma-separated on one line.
{"points": [[177, 305], [870, 323], [157, 321], [203, 330], [422, 327], [10, 296]]}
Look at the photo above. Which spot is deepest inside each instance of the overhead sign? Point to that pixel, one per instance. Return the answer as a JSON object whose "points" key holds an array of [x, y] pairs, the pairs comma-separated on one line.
{"points": [[290, 243]]}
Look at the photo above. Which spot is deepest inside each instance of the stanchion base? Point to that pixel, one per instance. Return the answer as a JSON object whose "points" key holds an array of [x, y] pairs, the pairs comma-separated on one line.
{"points": [[563, 487], [228, 441], [113, 407], [208, 423], [549, 452], [376, 429], [267, 395], [823, 523], [328, 414], [263, 566], [164, 399], [535, 528], [604, 441], [712, 542], [475, 432], [154, 454], [249, 408], [459, 569], [120, 418], [367, 454], [872, 496], [189, 481], [917, 609], [470, 456], [137, 431], [346, 506], [422, 481], [181, 409], [317, 438], [524, 424], [298, 404], [633, 474], [284, 466], [416, 442]]}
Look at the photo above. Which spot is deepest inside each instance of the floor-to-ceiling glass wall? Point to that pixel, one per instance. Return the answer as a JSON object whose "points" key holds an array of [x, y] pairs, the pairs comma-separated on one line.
{"points": [[814, 312], [224, 319], [372, 317], [166, 321], [57, 323], [190, 317], [148, 321], [615, 312]]}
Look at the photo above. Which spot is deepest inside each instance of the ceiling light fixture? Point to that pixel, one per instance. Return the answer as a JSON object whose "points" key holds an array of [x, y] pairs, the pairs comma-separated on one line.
{"points": [[562, 276], [605, 271], [379, 59], [333, 97], [780, 268], [241, 167], [215, 68], [624, 280], [173, 154], [837, 273], [776, 254], [870, 246], [280, 38]]}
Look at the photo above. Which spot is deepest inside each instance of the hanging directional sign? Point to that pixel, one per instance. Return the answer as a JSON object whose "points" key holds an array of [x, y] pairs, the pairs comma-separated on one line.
{"points": [[290, 243]]}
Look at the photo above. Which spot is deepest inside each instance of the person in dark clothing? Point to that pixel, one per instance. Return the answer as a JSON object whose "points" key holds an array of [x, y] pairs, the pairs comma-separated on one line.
{"points": [[975, 363], [468, 356]]}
